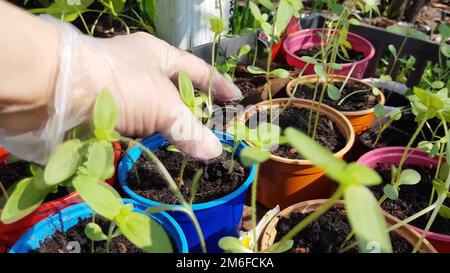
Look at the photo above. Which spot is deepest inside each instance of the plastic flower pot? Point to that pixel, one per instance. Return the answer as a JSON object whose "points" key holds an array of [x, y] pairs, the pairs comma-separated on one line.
{"points": [[270, 233], [283, 181], [308, 38], [11, 232], [69, 217], [392, 155], [217, 218], [360, 120]]}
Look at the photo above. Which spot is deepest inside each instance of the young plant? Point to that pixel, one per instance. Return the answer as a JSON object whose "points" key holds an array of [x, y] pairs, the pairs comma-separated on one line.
{"points": [[232, 63], [264, 137], [85, 164], [394, 115], [282, 16]]}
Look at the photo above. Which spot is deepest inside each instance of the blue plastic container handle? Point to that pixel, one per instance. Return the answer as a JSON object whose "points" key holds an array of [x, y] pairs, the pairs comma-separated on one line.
{"points": [[217, 218], [69, 217]]}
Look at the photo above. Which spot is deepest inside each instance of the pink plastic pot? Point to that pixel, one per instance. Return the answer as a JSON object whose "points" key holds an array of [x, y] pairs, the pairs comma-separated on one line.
{"points": [[11, 232], [309, 38], [392, 155]]}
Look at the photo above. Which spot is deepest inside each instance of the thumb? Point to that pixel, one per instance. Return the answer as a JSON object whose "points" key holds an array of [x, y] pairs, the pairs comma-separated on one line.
{"points": [[177, 123]]}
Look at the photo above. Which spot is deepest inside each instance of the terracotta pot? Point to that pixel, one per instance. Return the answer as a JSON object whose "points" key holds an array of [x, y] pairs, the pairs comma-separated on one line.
{"points": [[284, 181], [392, 155], [360, 120], [268, 237], [12, 232]]}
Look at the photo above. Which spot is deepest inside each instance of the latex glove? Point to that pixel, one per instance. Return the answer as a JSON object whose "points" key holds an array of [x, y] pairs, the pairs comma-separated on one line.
{"points": [[139, 70]]}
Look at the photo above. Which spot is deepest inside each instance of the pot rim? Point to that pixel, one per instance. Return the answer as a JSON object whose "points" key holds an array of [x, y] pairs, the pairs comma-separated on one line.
{"points": [[334, 116], [337, 78], [268, 236], [311, 31]]}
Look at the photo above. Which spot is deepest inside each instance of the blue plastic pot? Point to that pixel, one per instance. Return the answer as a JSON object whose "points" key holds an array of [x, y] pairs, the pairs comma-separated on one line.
{"points": [[69, 217], [217, 218]]}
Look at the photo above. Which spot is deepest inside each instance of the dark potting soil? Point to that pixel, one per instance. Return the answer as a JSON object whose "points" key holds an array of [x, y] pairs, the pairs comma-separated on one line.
{"points": [[313, 51], [12, 172], [327, 134], [215, 181], [62, 242], [356, 102], [412, 199], [326, 233]]}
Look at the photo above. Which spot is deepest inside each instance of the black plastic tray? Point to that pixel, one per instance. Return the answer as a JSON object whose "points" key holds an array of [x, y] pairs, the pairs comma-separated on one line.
{"points": [[422, 50]]}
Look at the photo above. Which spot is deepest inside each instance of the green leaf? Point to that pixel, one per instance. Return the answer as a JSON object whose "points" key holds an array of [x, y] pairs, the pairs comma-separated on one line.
{"points": [[396, 114], [402, 30], [105, 115], [335, 66], [320, 70], [409, 177], [393, 50], [100, 160], [437, 85], [318, 155], [24, 200], [63, 163], [186, 89], [244, 50], [379, 111], [376, 91], [255, 10], [172, 148], [101, 197], [445, 50], [94, 232], [385, 78], [361, 175], [280, 248], [233, 245], [354, 21], [145, 233], [366, 219], [283, 17], [439, 186], [391, 191], [252, 155], [280, 73], [444, 212], [428, 99], [267, 4], [309, 59], [118, 5], [333, 92], [255, 70], [444, 30], [217, 25]]}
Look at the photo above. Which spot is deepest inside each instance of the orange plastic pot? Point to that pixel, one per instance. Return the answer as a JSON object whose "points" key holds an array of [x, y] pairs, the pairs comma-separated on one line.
{"points": [[360, 120], [9, 233], [284, 181], [270, 232]]}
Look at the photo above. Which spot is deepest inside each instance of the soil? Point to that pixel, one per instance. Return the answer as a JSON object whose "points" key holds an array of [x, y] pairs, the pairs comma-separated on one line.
{"points": [[398, 133], [315, 51], [327, 134], [60, 242], [13, 172], [326, 233], [215, 181], [412, 199], [357, 102]]}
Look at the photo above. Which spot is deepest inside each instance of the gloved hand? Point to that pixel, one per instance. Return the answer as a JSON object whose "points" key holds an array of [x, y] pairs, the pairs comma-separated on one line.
{"points": [[139, 70]]}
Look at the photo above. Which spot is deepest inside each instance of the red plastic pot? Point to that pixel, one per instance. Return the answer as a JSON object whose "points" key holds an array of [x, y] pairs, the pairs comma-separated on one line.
{"points": [[392, 155], [12, 232], [308, 38]]}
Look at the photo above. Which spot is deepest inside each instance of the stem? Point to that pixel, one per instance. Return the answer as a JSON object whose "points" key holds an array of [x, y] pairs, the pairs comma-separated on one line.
{"points": [[313, 216], [183, 167], [96, 21], [84, 22], [269, 84], [235, 146], [112, 225], [3, 190], [382, 129], [211, 75], [436, 175], [411, 218], [316, 121], [173, 188], [405, 153], [256, 51], [316, 88], [254, 188], [92, 241], [133, 166]]}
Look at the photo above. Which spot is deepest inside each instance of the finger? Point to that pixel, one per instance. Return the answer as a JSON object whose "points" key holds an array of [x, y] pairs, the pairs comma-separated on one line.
{"points": [[177, 123], [201, 72]]}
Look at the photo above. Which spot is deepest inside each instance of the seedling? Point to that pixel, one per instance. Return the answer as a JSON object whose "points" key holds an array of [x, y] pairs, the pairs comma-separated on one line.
{"points": [[232, 63], [394, 115]]}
